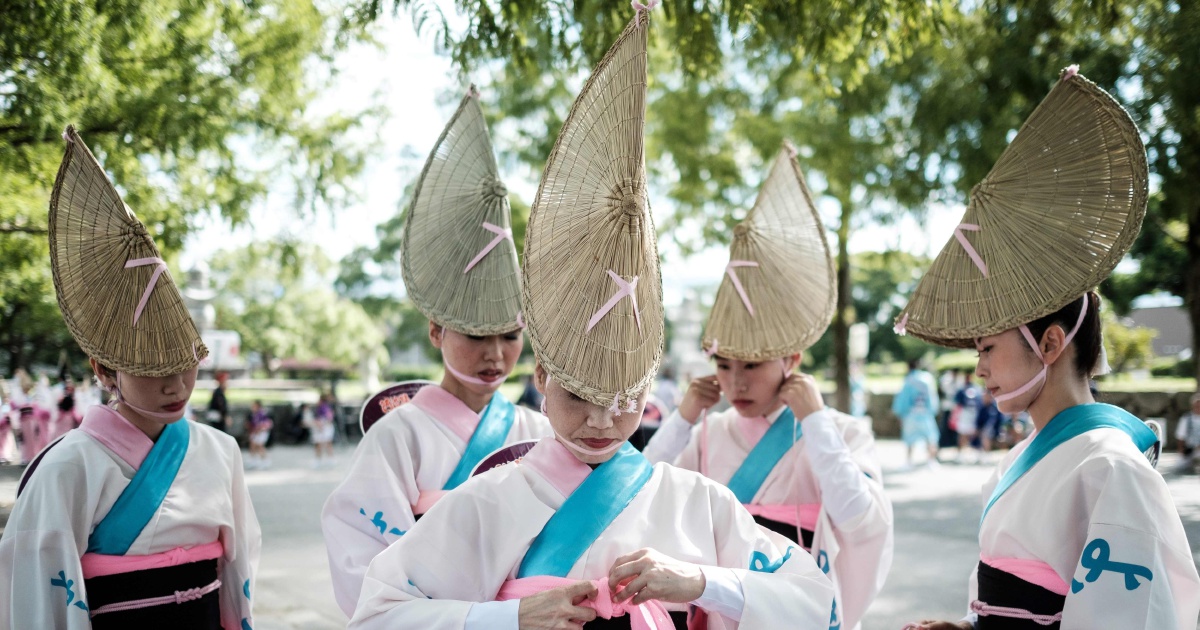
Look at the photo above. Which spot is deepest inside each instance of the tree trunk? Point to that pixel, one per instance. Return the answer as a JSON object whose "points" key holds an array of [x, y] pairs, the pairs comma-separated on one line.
{"points": [[842, 315], [1192, 283]]}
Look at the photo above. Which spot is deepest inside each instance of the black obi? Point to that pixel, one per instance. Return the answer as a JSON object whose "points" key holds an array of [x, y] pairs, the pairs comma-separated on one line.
{"points": [[804, 536], [998, 588], [198, 614]]}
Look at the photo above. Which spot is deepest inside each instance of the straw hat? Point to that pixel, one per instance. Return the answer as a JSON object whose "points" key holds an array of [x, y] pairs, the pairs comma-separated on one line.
{"points": [[459, 261], [113, 288], [1057, 212], [779, 290], [593, 297]]}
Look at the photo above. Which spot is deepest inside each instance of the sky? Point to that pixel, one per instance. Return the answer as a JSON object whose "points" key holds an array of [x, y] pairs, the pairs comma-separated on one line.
{"points": [[413, 77]]}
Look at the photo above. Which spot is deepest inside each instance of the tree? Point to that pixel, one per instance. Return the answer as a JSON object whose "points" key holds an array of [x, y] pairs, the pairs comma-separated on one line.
{"points": [[192, 106], [278, 297]]}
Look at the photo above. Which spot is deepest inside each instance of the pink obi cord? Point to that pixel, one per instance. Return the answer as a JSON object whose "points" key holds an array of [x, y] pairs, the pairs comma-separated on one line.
{"points": [[180, 597], [987, 610], [651, 615], [99, 565]]}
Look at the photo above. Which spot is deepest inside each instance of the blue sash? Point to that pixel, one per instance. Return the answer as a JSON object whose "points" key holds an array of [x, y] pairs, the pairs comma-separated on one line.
{"points": [[489, 435], [1069, 423], [585, 514], [140, 500], [775, 443]]}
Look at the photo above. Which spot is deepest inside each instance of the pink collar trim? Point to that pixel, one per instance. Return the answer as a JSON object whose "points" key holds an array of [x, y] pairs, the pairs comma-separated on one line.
{"points": [[448, 410], [118, 434], [753, 429], [556, 464]]}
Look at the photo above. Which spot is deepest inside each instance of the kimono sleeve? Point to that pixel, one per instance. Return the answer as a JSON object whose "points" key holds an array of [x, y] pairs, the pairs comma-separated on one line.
{"points": [[370, 510], [782, 585], [41, 580], [243, 543], [460, 553], [1136, 569]]}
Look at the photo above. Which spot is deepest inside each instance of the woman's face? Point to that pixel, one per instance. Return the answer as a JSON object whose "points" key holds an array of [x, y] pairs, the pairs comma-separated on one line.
{"points": [[753, 387], [489, 358], [157, 394], [1006, 363], [579, 422]]}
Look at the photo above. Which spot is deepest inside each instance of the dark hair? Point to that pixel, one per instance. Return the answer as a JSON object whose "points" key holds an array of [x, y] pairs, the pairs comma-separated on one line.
{"points": [[913, 364], [1087, 339]]}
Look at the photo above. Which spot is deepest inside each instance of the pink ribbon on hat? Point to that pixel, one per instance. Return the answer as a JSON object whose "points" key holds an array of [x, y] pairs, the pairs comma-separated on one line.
{"points": [[141, 262], [901, 327], [639, 7], [501, 234], [962, 239], [520, 320], [1041, 376], [1070, 71], [737, 284], [626, 289], [711, 351]]}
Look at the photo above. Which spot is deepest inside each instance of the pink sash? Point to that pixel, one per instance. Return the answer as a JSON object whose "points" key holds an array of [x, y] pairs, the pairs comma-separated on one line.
{"points": [[1032, 571], [97, 565], [651, 615], [425, 500]]}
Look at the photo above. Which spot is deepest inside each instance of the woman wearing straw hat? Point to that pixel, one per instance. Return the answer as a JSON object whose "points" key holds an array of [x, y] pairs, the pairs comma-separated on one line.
{"points": [[138, 519], [801, 469], [460, 269], [583, 530], [1078, 530]]}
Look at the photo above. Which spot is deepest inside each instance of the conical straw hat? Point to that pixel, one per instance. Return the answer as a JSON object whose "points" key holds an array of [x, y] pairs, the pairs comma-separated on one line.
{"points": [[1058, 211], [114, 290], [593, 296], [779, 290], [459, 261]]}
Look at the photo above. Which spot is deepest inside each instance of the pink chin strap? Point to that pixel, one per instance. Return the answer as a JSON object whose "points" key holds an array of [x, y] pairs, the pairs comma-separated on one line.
{"points": [[590, 451], [467, 378], [1040, 379], [159, 415]]}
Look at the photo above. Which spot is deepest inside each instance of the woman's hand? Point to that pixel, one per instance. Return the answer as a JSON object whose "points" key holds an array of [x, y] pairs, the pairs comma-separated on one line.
{"points": [[703, 392], [557, 609], [801, 394], [647, 574]]}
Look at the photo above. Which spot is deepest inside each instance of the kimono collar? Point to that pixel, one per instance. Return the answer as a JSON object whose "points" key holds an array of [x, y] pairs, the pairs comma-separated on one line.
{"points": [[118, 434], [753, 429], [448, 410], [557, 464]]}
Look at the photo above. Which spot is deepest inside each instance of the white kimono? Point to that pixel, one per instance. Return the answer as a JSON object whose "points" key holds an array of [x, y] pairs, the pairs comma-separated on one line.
{"points": [[72, 490], [398, 471], [833, 466], [476, 538], [1096, 486]]}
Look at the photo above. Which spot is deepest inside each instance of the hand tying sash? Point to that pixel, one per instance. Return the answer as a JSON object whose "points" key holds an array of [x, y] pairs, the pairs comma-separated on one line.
{"points": [[586, 513], [1069, 423], [140, 500], [651, 615], [778, 440], [489, 435]]}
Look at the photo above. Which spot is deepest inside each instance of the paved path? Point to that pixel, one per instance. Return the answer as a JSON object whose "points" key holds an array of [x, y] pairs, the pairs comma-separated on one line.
{"points": [[937, 514]]}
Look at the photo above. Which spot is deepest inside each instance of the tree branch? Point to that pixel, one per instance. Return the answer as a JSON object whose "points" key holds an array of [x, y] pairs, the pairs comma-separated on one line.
{"points": [[8, 228]]}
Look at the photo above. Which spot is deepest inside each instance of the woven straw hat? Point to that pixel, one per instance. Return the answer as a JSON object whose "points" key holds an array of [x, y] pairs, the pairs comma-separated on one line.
{"points": [[779, 290], [113, 288], [593, 296], [459, 261], [1057, 212]]}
